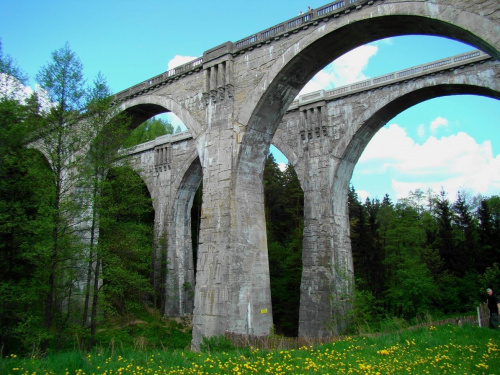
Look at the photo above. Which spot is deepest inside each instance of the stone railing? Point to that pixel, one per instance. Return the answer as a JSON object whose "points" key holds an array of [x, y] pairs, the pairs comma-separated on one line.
{"points": [[160, 79], [294, 25], [162, 139], [389, 79], [313, 16]]}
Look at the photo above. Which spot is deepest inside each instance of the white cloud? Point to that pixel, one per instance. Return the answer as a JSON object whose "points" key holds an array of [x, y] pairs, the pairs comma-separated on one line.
{"points": [[389, 143], [362, 195], [282, 166], [12, 88], [437, 123], [347, 69], [448, 163], [421, 130], [179, 60]]}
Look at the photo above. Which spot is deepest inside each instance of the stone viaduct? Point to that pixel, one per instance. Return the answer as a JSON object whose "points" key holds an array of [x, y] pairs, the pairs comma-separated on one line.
{"points": [[240, 95]]}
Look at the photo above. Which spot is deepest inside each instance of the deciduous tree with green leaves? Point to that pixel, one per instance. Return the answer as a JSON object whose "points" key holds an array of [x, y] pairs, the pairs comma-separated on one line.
{"points": [[104, 132]]}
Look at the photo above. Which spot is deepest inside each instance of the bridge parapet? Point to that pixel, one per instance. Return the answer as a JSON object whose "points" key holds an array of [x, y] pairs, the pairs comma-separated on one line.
{"points": [[431, 68], [158, 141], [303, 21], [284, 29], [160, 80]]}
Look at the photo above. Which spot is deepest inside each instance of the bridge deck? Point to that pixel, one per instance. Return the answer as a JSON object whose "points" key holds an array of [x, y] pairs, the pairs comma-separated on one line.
{"points": [[414, 72], [284, 29]]}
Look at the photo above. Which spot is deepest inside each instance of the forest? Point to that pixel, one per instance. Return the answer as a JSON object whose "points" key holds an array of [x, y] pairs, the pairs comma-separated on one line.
{"points": [[421, 256], [76, 249]]}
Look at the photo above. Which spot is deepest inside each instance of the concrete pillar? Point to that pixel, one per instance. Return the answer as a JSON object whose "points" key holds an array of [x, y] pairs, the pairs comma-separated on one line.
{"points": [[327, 261], [232, 280]]}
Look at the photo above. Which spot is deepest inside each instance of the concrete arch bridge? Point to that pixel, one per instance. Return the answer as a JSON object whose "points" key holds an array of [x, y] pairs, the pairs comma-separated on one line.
{"points": [[237, 99]]}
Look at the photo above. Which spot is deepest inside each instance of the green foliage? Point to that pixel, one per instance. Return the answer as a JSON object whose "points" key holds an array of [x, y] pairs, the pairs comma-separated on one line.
{"points": [[148, 131], [62, 77], [391, 323], [104, 132], [412, 289], [423, 254], [143, 333], [43, 221], [490, 279], [284, 204], [126, 221], [26, 224], [216, 344], [283, 201], [285, 264], [428, 350], [365, 311]]}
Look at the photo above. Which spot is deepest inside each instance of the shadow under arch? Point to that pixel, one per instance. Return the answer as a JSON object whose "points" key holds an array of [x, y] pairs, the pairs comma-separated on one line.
{"points": [[126, 233], [180, 278], [273, 95]]}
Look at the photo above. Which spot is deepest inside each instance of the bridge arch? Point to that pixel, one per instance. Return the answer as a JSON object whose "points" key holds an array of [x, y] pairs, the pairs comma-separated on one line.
{"points": [[144, 107], [363, 125], [269, 101], [271, 98], [180, 278], [298, 64], [365, 129], [286, 150]]}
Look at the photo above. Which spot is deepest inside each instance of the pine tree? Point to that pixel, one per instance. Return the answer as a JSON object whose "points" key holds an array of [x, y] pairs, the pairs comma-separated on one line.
{"points": [[126, 242], [60, 142], [361, 239], [488, 215], [468, 238], [445, 239], [284, 205], [410, 286], [273, 187]]}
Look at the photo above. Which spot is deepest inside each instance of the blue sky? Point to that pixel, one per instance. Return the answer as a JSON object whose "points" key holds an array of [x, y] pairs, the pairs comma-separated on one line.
{"points": [[451, 143]]}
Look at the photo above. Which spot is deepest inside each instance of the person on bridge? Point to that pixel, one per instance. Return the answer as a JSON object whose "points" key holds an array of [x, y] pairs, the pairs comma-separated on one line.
{"points": [[493, 307]]}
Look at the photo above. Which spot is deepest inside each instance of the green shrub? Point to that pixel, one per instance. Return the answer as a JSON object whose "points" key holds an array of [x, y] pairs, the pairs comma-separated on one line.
{"points": [[216, 343]]}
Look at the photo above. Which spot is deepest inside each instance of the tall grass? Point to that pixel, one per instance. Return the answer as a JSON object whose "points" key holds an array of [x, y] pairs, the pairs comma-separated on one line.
{"points": [[446, 349]]}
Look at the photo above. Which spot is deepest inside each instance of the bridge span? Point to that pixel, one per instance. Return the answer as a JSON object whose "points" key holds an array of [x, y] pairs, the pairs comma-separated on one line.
{"points": [[235, 99], [322, 134]]}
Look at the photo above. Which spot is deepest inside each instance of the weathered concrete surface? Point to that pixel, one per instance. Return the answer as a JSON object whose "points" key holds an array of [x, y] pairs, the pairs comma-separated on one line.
{"points": [[232, 102]]}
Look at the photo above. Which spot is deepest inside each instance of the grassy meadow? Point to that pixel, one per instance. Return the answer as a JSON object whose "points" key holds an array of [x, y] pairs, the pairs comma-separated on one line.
{"points": [[447, 349]]}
